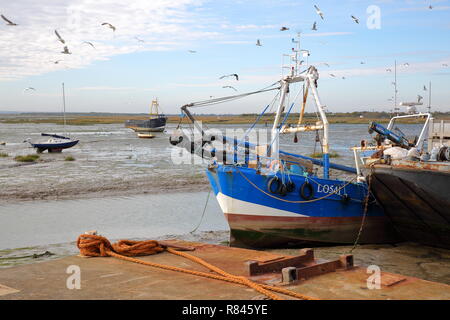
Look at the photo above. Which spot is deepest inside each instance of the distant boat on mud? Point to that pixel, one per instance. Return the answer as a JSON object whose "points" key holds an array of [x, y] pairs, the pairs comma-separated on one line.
{"points": [[145, 135], [156, 122], [56, 143]]}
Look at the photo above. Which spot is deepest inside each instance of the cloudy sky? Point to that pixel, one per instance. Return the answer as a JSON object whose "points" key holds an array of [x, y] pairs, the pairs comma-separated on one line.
{"points": [[148, 55]]}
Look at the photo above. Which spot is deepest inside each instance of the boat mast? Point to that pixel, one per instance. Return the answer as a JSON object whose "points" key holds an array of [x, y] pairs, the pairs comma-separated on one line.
{"points": [[275, 145], [311, 83], [154, 105], [64, 108], [310, 78], [396, 108]]}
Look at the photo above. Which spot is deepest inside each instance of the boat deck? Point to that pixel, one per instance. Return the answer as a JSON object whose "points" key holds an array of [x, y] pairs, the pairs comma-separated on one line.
{"points": [[112, 278]]}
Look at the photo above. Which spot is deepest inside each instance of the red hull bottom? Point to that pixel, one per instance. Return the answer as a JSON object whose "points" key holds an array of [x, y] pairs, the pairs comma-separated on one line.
{"points": [[271, 231]]}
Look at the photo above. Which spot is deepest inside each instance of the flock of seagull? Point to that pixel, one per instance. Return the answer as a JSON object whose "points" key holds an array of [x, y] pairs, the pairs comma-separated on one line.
{"points": [[60, 39], [258, 43]]}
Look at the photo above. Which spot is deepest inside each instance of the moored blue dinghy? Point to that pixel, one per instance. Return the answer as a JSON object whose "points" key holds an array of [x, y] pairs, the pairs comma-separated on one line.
{"points": [[56, 143]]}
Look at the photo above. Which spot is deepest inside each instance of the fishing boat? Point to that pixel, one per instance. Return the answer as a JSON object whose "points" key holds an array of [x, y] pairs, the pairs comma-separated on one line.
{"points": [[410, 178], [55, 143], [155, 123], [271, 197]]}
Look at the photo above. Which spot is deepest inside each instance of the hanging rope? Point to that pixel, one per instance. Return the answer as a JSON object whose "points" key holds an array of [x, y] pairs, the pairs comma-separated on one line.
{"points": [[203, 214], [366, 206], [98, 246]]}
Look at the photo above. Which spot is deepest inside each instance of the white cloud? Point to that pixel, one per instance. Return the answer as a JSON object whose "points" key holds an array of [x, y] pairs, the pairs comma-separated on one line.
{"points": [[31, 47]]}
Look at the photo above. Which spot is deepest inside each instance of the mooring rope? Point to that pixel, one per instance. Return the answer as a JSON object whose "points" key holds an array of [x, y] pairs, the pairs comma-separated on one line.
{"points": [[203, 213], [98, 246], [366, 205]]}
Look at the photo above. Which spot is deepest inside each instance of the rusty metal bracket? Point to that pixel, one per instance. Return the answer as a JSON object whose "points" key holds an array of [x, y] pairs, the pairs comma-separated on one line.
{"points": [[255, 267], [299, 267], [344, 262]]}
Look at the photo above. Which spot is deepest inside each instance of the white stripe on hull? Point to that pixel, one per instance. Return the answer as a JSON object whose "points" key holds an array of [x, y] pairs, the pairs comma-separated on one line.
{"points": [[231, 205]]}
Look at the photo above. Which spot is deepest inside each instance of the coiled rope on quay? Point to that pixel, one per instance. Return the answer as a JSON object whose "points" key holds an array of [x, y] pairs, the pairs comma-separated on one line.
{"points": [[98, 246]]}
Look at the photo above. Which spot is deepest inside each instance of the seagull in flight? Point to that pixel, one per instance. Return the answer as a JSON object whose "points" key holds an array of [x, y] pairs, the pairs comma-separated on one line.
{"points": [[318, 11], [9, 22], [343, 78], [192, 51], [445, 65], [109, 25], [284, 28], [362, 62], [59, 37], [388, 70], [139, 40], [332, 75], [419, 98], [66, 50], [430, 7], [29, 88], [326, 64], [89, 43], [424, 88], [406, 64], [231, 87], [314, 27], [230, 75], [258, 43], [355, 19], [56, 62]]}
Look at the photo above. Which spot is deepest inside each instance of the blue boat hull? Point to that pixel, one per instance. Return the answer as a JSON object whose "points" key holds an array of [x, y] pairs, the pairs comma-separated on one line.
{"points": [[260, 218]]}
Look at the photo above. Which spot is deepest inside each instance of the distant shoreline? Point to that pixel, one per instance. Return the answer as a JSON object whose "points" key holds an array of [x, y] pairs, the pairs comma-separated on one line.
{"points": [[87, 119]]}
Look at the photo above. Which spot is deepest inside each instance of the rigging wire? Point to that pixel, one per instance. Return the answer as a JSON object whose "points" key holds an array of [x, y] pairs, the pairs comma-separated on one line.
{"points": [[230, 98]]}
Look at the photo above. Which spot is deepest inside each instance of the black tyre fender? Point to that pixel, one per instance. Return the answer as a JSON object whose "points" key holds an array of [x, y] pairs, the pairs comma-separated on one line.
{"points": [[283, 191], [271, 182], [310, 192], [175, 142], [290, 186]]}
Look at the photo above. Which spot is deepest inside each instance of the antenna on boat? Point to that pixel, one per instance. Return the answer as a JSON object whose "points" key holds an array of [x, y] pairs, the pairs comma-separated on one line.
{"points": [[64, 109], [295, 58], [396, 108]]}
